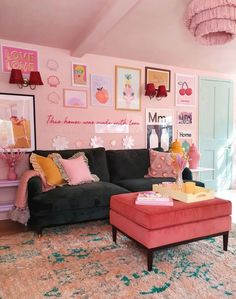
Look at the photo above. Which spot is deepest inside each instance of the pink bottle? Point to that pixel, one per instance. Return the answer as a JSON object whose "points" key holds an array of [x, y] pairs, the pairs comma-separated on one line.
{"points": [[194, 157]]}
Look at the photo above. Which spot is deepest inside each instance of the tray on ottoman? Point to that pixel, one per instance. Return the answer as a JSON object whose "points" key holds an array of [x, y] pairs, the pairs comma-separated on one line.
{"points": [[156, 227], [199, 194]]}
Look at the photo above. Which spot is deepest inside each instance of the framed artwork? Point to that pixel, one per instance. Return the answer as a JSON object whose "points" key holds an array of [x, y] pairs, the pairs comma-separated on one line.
{"points": [[79, 74], [157, 77], [185, 90], [187, 134], [17, 121], [128, 91], [75, 98], [101, 91], [17, 58], [184, 118], [159, 128]]}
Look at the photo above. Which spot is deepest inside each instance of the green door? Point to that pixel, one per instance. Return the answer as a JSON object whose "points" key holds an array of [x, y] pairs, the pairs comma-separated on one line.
{"points": [[215, 132]]}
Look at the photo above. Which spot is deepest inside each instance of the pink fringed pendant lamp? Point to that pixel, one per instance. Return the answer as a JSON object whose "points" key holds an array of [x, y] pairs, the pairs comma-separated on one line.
{"points": [[212, 22]]}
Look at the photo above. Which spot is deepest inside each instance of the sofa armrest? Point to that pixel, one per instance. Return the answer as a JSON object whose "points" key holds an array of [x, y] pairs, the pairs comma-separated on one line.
{"points": [[35, 186], [187, 174]]}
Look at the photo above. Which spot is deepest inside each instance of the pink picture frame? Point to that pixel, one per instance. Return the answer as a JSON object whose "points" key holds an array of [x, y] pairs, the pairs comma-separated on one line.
{"points": [[185, 89], [19, 58], [184, 117], [75, 98], [79, 73], [101, 91]]}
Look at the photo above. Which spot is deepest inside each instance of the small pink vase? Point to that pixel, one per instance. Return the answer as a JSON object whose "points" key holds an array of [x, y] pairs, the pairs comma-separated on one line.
{"points": [[194, 157], [179, 181], [11, 176]]}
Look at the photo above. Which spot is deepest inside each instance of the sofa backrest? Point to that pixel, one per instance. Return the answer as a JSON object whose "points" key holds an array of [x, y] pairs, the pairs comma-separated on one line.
{"points": [[127, 164], [96, 159]]}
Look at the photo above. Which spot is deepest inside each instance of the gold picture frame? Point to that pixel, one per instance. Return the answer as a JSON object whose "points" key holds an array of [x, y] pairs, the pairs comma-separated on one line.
{"points": [[157, 77], [127, 88]]}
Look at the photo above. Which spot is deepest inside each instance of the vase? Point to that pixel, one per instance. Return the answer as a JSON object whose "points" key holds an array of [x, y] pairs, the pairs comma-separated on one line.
{"points": [[194, 157], [11, 176], [176, 147], [179, 181]]}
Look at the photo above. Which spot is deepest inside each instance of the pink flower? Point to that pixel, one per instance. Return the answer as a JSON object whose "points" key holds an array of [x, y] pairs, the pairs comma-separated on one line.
{"points": [[11, 157], [179, 162]]}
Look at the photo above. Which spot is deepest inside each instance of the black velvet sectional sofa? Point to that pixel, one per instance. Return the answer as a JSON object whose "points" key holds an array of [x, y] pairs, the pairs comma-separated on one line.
{"points": [[120, 171]]}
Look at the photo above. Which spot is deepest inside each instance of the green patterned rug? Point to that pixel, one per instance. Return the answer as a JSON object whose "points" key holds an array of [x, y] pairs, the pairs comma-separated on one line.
{"points": [[81, 261]]}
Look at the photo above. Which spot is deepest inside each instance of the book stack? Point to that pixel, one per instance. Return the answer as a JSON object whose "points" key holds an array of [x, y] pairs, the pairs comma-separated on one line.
{"points": [[153, 198]]}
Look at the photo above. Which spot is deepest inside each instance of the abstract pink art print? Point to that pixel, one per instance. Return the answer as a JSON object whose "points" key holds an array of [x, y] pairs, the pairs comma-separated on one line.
{"points": [[75, 98]]}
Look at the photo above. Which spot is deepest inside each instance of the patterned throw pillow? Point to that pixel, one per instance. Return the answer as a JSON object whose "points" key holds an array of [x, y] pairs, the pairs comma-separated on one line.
{"points": [[160, 165], [47, 168], [57, 159]]}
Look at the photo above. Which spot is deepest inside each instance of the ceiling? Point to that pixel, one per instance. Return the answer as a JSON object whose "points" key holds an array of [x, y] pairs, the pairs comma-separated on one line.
{"points": [[145, 30]]}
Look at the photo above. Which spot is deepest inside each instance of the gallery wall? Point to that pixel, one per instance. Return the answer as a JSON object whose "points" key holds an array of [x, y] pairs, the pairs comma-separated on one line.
{"points": [[76, 126]]}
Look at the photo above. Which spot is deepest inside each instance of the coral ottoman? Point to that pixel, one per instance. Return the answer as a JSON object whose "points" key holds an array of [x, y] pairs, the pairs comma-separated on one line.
{"points": [[157, 227]]}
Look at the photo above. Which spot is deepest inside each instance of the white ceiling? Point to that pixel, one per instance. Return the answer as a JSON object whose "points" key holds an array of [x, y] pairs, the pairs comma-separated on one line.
{"points": [[146, 30]]}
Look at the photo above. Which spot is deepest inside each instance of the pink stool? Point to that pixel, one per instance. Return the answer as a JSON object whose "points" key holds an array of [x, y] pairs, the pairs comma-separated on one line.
{"points": [[157, 227]]}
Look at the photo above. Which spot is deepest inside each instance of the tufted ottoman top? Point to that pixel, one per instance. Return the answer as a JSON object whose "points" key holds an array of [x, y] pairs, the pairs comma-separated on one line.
{"points": [[155, 217]]}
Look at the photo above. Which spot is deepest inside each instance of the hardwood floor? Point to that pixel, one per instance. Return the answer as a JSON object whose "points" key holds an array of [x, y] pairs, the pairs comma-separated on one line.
{"points": [[8, 227]]}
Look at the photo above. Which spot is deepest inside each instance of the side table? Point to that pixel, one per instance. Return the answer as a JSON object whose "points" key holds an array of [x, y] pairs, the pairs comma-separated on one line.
{"points": [[7, 196], [197, 171]]}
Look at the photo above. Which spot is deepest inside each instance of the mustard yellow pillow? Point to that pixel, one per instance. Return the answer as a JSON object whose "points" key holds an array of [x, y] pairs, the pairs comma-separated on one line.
{"points": [[46, 167]]}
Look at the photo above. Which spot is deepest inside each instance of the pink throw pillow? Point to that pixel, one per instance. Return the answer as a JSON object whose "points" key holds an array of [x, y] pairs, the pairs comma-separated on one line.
{"points": [[77, 171], [160, 165]]}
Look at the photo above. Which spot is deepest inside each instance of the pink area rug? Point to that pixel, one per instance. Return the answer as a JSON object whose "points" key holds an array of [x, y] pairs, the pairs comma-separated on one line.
{"points": [[81, 261]]}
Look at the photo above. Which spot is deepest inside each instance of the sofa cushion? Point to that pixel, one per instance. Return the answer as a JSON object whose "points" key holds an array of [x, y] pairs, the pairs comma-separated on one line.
{"points": [[127, 164], [161, 165], [142, 184], [74, 197], [56, 158], [77, 171], [47, 168], [96, 159]]}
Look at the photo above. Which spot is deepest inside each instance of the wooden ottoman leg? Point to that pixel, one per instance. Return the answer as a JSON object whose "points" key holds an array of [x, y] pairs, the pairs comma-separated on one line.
{"points": [[225, 240], [149, 259], [114, 233]]}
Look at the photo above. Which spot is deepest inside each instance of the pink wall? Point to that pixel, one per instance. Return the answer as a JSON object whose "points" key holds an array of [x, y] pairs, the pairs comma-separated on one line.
{"points": [[100, 65]]}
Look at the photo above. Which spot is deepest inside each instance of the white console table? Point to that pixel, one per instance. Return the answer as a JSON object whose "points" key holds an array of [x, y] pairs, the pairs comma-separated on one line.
{"points": [[7, 196], [196, 171]]}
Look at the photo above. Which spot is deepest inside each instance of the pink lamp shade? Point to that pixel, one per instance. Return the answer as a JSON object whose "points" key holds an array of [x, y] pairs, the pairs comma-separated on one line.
{"points": [[211, 22], [35, 78], [150, 90], [16, 77], [161, 92]]}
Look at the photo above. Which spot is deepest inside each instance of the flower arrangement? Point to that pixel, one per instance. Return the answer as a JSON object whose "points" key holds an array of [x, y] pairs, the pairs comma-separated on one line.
{"points": [[11, 158], [179, 162]]}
